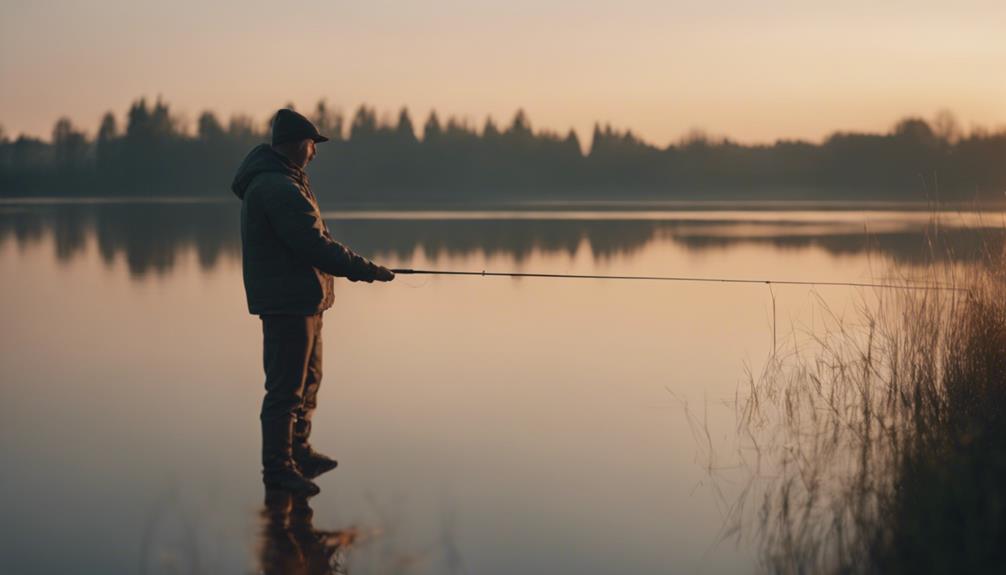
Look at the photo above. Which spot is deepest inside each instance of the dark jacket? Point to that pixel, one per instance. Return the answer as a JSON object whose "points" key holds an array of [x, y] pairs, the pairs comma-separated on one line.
{"points": [[288, 255]]}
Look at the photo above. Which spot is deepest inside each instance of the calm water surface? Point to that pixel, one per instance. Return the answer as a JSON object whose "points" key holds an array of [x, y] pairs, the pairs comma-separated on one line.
{"points": [[482, 425]]}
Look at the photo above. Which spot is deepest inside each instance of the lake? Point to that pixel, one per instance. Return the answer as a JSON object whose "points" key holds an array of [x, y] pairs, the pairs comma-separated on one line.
{"points": [[483, 425]]}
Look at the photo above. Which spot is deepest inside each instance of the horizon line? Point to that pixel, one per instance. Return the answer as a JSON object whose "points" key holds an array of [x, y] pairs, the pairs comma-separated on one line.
{"points": [[186, 126]]}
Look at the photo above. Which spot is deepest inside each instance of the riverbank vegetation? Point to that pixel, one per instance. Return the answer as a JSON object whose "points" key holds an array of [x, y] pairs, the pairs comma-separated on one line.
{"points": [[886, 435]]}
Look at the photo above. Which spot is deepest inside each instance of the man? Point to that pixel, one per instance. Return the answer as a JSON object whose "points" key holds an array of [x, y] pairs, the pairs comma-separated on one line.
{"points": [[289, 259]]}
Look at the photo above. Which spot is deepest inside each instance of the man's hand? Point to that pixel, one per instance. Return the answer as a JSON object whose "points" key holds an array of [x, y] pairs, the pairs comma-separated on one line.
{"points": [[376, 273], [383, 274]]}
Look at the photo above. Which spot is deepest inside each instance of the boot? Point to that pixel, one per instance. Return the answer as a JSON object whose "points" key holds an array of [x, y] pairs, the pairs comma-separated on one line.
{"points": [[310, 462], [278, 469]]}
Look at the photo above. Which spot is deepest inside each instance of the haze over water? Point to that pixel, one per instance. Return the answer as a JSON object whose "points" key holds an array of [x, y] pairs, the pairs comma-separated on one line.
{"points": [[482, 425]]}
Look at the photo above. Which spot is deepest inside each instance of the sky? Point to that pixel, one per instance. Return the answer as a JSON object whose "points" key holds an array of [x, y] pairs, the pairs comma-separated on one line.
{"points": [[752, 70]]}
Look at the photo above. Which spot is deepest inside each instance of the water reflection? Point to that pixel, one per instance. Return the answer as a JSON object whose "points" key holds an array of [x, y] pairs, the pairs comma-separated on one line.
{"points": [[152, 236], [149, 236], [290, 543]]}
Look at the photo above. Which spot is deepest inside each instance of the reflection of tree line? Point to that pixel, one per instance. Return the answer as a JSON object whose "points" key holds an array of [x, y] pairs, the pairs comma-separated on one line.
{"points": [[151, 237], [393, 161], [908, 247]]}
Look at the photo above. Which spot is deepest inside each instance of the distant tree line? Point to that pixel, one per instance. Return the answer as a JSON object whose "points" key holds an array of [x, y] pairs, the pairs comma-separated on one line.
{"points": [[151, 153]]}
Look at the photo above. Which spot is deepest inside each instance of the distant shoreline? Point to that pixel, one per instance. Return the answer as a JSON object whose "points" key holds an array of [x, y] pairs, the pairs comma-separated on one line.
{"points": [[641, 205]]}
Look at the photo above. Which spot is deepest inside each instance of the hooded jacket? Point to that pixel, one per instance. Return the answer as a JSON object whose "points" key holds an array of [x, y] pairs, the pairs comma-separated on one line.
{"points": [[287, 253]]}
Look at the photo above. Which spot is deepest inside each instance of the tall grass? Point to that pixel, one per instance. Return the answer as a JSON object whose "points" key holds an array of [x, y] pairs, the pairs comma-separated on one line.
{"points": [[886, 435]]}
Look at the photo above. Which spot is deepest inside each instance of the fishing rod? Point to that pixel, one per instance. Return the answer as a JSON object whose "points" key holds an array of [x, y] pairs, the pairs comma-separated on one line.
{"points": [[770, 282]]}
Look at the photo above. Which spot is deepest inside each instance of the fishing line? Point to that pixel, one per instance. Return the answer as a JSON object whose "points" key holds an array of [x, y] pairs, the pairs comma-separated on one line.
{"points": [[769, 282]]}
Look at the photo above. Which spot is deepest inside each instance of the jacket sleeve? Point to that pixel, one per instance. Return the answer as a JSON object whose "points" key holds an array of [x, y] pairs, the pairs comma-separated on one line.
{"points": [[299, 226]]}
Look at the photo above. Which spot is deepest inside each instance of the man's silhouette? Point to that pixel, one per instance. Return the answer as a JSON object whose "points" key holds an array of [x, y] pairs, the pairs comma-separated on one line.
{"points": [[289, 259]]}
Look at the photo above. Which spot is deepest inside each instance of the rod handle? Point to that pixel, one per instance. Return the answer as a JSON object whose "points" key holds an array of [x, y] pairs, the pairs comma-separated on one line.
{"points": [[403, 271]]}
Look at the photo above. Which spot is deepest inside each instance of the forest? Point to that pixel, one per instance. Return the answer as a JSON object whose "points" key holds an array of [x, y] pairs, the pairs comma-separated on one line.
{"points": [[151, 152]]}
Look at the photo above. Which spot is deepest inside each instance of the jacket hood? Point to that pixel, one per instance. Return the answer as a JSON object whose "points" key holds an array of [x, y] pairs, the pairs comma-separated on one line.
{"points": [[261, 159]]}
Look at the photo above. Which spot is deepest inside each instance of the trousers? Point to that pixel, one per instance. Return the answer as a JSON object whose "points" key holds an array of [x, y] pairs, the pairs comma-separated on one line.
{"points": [[292, 360]]}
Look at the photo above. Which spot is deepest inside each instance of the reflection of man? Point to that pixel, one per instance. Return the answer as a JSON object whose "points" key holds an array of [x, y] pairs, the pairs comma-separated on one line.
{"points": [[289, 259], [292, 546]]}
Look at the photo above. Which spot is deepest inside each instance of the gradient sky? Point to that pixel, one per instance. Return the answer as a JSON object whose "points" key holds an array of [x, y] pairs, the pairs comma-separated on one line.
{"points": [[755, 70]]}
